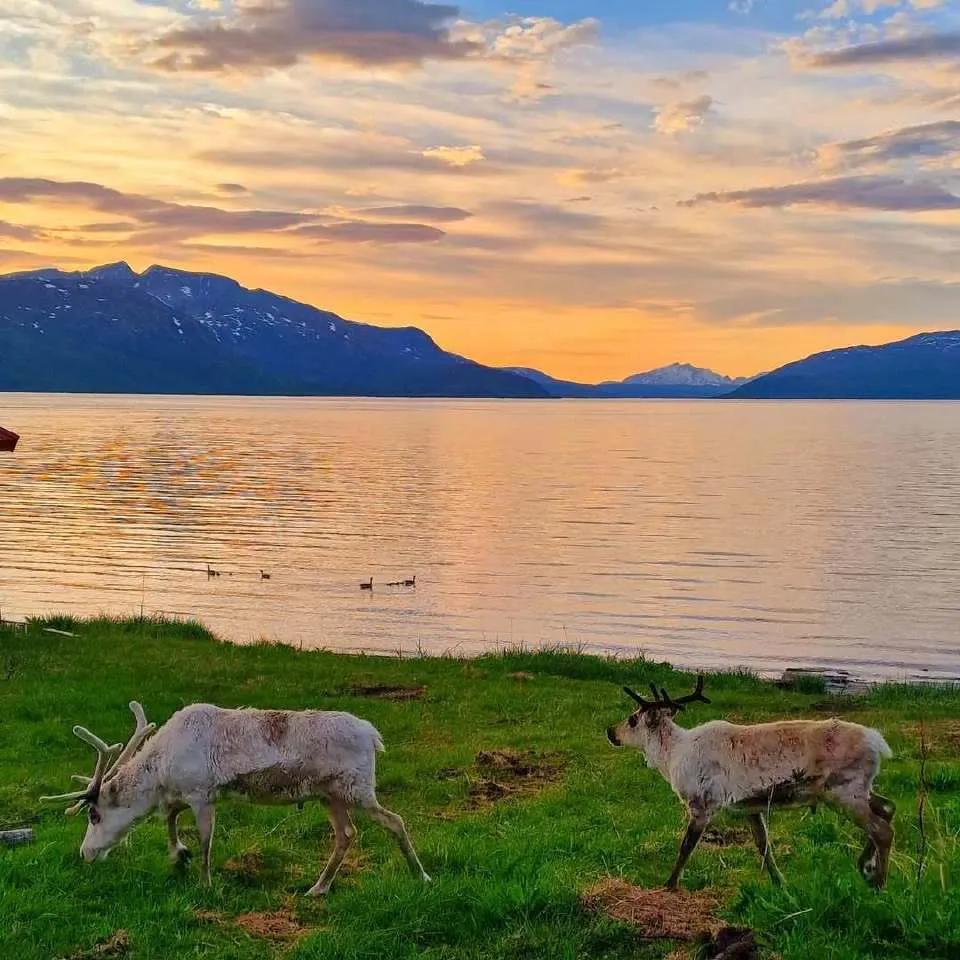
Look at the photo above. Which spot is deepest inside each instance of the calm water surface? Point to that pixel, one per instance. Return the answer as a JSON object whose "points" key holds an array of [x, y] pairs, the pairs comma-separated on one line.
{"points": [[704, 532]]}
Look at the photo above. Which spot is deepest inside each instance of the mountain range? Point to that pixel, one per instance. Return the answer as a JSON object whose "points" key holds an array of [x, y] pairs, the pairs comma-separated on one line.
{"points": [[675, 380], [113, 330], [922, 367]]}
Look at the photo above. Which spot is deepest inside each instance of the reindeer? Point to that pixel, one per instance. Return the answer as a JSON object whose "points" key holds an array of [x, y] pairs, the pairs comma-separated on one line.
{"points": [[760, 766], [268, 756]]}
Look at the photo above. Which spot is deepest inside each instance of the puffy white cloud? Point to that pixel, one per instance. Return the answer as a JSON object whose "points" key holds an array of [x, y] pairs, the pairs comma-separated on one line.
{"points": [[683, 115]]}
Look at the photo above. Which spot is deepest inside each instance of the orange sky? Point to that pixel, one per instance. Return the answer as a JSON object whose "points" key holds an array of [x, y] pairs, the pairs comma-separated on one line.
{"points": [[574, 194]]}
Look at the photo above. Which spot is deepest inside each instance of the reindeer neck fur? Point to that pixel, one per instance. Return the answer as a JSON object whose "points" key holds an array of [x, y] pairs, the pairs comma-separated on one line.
{"points": [[661, 745], [137, 782]]}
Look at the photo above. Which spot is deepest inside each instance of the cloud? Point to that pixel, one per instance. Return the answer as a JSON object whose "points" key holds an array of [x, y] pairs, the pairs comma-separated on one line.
{"points": [[930, 46], [539, 38], [866, 193], [455, 156], [155, 219], [938, 139], [684, 115], [232, 189], [17, 232], [416, 211], [587, 175], [358, 231], [354, 156], [264, 34], [148, 211]]}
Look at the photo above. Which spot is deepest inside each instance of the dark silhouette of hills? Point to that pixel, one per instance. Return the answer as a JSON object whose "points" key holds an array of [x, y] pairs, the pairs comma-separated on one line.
{"points": [[112, 330], [922, 367]]}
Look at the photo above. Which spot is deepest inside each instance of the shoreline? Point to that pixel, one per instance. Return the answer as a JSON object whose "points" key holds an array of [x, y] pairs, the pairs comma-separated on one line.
{"points": [[830, 679]]}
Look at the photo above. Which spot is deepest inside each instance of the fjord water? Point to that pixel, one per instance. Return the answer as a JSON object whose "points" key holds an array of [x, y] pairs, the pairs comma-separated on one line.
{"points": [[709, 533]]}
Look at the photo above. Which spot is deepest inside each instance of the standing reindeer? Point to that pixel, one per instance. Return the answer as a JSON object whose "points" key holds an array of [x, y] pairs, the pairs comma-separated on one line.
{"points": [[270, 756], [764, 765]]}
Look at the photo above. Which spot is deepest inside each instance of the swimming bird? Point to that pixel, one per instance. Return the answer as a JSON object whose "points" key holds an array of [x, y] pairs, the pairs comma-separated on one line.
{"points": [[411, 582], [367, 585], [264, 576], [211, 572], [395, 583]]}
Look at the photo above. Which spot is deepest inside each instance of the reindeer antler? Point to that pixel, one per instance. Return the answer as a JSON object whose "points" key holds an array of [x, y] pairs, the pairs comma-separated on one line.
{"points": [[91, 791], [142, 731], [663, 699], [697, 695], [109, 760]]}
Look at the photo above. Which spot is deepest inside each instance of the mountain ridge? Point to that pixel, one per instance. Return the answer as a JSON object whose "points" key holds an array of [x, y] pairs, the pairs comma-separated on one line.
{"points": [[925, 366], [110, 329]]}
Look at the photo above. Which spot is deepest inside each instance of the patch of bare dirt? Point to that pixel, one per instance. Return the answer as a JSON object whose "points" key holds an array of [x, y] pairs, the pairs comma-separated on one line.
{"points": [[658, 914], [509, 773], [116, 945], [387, 692], [280, 925], [247, 865]]}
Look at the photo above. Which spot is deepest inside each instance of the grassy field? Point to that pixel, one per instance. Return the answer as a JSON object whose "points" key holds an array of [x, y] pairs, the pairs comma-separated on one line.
{"points": [[510, 850]]}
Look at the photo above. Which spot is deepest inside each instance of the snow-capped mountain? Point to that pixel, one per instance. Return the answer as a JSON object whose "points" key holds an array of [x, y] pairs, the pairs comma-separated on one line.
{"points": [[684, 374], [113, 330], [922, 367], [678, 380]]}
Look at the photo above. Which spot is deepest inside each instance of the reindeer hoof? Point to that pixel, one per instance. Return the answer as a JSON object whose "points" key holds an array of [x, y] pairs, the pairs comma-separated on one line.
{"points": [[426, 878], [318, 891], [181, 856]]}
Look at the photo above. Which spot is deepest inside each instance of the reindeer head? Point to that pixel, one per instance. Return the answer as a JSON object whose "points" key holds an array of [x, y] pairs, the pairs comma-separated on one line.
{"points": [[109, 817], [646, 721]]}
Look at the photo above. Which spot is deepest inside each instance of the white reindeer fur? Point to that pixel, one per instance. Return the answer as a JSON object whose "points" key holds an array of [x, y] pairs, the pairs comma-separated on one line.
{"points": [[719, 764], [759, 766], [269, 756]]}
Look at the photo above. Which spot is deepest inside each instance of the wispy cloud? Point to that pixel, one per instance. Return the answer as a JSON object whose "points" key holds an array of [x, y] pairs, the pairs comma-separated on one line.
{"points": [[924, 140], [930, 46], [416, 211], [865, 193]]}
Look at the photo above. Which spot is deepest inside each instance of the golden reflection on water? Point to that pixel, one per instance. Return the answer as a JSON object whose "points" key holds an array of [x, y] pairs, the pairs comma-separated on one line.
{"points": [[711, 533]]}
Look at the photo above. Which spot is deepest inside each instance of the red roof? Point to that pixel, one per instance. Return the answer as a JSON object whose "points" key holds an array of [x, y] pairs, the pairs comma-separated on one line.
{"points": [[8, 441]]}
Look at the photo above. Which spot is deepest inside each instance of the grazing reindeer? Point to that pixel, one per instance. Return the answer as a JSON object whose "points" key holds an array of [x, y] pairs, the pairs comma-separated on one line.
{"points": [[270, 756], [757, 767]]}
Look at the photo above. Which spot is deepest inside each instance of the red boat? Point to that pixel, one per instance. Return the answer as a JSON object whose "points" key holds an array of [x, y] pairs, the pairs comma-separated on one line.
{"points": [[8, 440]]}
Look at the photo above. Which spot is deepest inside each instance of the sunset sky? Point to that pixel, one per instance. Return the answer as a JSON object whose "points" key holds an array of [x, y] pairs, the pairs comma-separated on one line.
{"points": [[592, 187]]}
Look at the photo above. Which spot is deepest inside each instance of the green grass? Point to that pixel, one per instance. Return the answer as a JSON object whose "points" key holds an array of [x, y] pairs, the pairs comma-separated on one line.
{"points": [[508, 874]]}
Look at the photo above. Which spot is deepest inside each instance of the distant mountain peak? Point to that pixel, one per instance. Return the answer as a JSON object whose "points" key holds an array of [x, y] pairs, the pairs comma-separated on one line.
{"points": [[683, 374], [120, 270]]}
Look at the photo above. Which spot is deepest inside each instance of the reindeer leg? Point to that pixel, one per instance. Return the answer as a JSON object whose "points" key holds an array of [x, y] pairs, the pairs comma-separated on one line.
{"points": [[873, 862], [761, 837], [205, 815], [343, 833], [697, 824], [179, 852], [395, 825]]}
